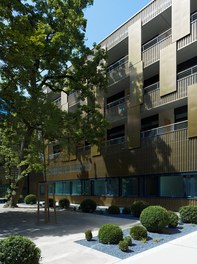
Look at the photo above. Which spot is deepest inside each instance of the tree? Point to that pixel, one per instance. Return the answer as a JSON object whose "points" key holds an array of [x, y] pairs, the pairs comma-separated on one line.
{"points": [[42, 47]]}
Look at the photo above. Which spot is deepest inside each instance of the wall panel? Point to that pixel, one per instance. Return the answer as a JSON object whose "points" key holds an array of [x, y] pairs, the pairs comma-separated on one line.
{"points": [[192, 110]]}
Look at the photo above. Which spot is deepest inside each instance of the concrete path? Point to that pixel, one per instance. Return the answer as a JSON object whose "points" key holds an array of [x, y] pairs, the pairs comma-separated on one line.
{"points": [[57, 245]]}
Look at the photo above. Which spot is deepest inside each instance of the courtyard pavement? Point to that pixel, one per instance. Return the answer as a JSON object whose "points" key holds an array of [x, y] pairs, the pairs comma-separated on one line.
{"points": [[57, 240]]}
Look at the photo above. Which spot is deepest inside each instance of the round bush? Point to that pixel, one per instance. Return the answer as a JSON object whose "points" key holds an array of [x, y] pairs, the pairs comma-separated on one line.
{"points": [[188, 214], [129, 240], [138, 232], [173, 218], [137, 207], [126, 210], [113, 209], [154, 218], [88, 235], [123, 245], [110, 234], [18, 250], [88, 206], [64, 203], [30, 199]]}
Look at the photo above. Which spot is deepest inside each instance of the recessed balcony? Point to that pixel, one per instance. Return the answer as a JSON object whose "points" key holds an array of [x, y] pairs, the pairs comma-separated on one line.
{"points": [[116, 110]]}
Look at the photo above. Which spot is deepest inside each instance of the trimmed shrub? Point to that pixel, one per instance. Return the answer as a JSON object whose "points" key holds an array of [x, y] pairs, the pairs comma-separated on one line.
{"points": [[123, 245], [129, 240], [110, 234], [137, 207], [18, 250], [126, 210], [113, 209], [138, 232], [64, 203], [30, 199], [174, 219], [188, 214], [88, 235], [88, 206], [154, 218]]}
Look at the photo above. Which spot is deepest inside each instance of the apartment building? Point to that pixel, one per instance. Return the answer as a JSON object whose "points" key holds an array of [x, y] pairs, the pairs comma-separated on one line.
{"points": [[150, 149]]}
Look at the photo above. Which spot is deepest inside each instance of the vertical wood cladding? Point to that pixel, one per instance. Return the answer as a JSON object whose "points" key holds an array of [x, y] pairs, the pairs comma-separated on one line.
{"points": [[192, 110], [180, 19], [168, 69]]}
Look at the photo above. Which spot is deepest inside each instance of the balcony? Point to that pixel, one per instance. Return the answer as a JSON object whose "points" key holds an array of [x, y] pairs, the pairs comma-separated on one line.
{"points": [[54, 155], [116, 110], [115, 144], [164, 130], [152, 97], [58, 102], [73, 99], [192, 37], [118, 71], [151, 49]]}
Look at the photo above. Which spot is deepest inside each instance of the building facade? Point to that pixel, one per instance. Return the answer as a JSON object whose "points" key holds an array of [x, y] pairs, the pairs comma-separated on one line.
{"points": [[150, 149]]}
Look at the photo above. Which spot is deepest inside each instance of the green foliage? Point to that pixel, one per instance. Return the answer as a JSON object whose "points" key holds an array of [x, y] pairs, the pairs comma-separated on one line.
{"points": [[154, 218], [128, 240], [110, 234], [113, 209], [174, 219], [88, 206], [138, 232], [137, 207], [88, 235], [126, 210], [30, 199], [188, 214], [123, 245], [18, 250], [38, 40], [64, 203]]}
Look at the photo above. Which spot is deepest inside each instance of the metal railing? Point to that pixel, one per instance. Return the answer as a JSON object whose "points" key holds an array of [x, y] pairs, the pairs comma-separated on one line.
{"points": [[164, 129], [85, 148], [116, 141], [192, 37], [58, 101], [151, 87], [54, 155], [194, 17], [117, 64], [118, 71], [156, 40], [73, 99], [187, 72]]}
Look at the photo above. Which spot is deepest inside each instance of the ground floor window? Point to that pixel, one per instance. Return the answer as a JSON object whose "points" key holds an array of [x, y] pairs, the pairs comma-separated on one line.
{"points": [[168, 185]]}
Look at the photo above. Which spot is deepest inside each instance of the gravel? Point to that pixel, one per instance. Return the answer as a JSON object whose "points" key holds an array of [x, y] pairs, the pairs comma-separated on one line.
{"points": [[154, 239]]}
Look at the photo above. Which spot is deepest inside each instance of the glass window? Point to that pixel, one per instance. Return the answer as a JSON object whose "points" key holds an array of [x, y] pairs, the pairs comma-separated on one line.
{"points": [[66, 187], [190, 184], [130, 186], [76, 188], [100, 187], [112, 187], [58, 187], [86, 187], [172, 186]]}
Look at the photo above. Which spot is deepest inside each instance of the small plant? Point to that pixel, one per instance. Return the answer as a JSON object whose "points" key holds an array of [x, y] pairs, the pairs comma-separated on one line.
{"points": [[18, 250], [188, 214], [64, 203], [110, 234], [174, 219], [139, 233], [129, 240], [30, 199], [154, 218], [156, 240], [137, 207], [126, 210], [88, 235], [113, 209], [123, 245], [88, 206]]}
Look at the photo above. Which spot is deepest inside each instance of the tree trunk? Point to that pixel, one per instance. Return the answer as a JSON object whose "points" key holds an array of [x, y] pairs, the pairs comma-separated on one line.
{"points": [[12, 202]]}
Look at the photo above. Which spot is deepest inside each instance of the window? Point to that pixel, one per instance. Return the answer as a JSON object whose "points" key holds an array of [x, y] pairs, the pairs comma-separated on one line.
{"points": [[106, 187], [58, 188], [115, 132], [100, 187], [130, 186], [76, 188], [151, 185], [66, 187], [180, 114], [172, 186], [57, 149], [149, 122]]}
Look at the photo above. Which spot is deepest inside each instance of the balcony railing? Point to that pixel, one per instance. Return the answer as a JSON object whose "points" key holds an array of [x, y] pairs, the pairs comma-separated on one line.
{"points": [[164, 129], [73, 99], [153, 99], [58, 102], [118, 71], [116, 110], [151, 53], [192, 37], [54, 155], [116, 141], [84, 149], [151, 87]]}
